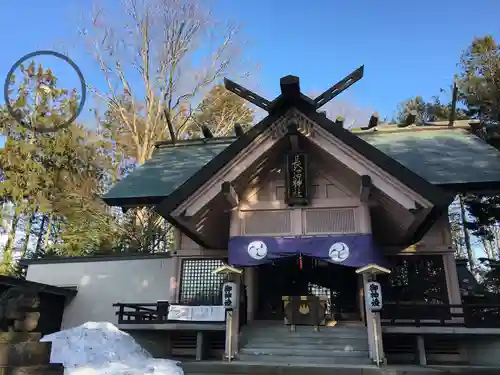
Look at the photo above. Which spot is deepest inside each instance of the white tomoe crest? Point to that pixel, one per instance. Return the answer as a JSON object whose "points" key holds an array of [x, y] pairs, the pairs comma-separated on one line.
{"points": [[338, 252], [257, 250]]}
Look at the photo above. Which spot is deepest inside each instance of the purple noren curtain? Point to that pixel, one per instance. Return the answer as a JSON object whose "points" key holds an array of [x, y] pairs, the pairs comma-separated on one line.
{"points": [[348, 250]]}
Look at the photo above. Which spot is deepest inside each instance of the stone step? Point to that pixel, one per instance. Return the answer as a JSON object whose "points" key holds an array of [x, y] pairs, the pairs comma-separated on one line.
{"points": [[324, 329], [242, 368], [49, 369], [309, 340], [18, 337], [307, 345], [25, 354], [312, 352], [304, 334], [287, 360]]}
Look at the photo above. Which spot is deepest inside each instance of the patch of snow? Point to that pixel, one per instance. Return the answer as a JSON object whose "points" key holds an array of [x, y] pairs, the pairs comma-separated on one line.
{"points": [[100, 348]]}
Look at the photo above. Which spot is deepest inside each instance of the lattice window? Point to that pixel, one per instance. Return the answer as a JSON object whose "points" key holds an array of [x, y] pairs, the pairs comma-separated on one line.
{"points": [[267, 222], [329, 221], [199, 285], [415, 278]]}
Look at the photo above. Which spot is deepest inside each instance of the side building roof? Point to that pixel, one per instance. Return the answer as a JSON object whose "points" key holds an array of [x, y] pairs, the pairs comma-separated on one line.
{"points": [[169, 168], [449, 157]]}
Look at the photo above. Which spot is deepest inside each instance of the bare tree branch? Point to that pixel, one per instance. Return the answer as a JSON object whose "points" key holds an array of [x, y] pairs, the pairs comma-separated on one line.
{"points": [[156, 66]]}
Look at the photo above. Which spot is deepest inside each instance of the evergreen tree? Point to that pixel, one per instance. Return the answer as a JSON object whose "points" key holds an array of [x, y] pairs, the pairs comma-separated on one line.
{"points": [[221, 109], [480, 85]]}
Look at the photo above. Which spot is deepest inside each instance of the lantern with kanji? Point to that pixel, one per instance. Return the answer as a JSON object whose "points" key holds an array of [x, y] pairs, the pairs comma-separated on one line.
{"points": [[229, 295], [373, 296]]}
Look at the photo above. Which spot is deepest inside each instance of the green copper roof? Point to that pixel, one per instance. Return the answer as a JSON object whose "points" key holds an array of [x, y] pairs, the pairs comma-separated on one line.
{"points": [[444, 156], [166, 171]]}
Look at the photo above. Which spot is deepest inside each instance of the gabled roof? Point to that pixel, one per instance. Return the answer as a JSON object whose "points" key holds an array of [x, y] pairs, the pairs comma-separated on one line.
{"points": [[169, 168], [384, 161]]}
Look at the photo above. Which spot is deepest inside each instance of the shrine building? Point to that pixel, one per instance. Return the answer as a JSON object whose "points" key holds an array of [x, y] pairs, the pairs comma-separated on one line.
{"points": [[301, 214]]}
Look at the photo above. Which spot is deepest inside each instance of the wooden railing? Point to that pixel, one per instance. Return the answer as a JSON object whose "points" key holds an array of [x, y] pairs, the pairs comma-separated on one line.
{"points": [[142, 313], [156, 313], [471, 316]]}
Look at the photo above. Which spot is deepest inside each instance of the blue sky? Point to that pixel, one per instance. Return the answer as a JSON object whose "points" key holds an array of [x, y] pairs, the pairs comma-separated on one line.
{"points": [[408, 48]]}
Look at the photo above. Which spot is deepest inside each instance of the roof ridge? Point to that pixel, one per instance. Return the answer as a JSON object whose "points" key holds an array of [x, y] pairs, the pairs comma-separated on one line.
{"points": [[195, 141], [409, 129]]}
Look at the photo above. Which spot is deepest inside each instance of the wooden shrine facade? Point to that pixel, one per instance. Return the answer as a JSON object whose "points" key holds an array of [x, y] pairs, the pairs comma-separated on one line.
{"points": [[299, 178]]}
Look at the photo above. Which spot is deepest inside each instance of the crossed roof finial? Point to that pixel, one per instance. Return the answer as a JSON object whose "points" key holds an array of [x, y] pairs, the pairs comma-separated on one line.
{"points": [[290, 87]]}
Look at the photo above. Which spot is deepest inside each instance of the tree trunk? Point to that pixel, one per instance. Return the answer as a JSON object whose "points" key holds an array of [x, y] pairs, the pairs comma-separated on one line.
{"points": [[487, 248], [496, 250], [6, 266], [49, 229], [40, 237], [27, 234], [470, 254]]}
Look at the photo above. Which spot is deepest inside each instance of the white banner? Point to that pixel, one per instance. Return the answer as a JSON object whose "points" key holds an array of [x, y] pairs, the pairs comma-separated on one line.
{"points": [[197, 313]]}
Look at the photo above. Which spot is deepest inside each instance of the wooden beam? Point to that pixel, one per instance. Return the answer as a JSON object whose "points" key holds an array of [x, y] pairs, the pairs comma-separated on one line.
{"points": [[186, 226], [372, 123], [339, 87], [294, 142], [339, 122], [422, 222], [246, 94], [230, 194], [206, 132], [238, 130], [365, 189], [409, 120]]}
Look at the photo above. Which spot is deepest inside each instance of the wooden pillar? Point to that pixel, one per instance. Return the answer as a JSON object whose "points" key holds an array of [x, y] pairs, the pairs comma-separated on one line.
{"points": [[199, 346], [373, 325], [452, 284], [250, 276], [175, 269], [361, 298], [233, 323], [369, 323], [422, 357]]}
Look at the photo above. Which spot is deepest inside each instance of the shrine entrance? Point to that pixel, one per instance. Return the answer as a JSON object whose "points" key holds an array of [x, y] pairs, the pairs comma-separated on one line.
{"points": [[306, 276]]}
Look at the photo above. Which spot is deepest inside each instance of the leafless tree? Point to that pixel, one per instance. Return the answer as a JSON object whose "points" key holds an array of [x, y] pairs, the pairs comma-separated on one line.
{"points": [[157, 57]]}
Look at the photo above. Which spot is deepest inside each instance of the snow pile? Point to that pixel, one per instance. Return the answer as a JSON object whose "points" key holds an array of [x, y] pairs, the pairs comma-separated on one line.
{"points": [[102, 349]]}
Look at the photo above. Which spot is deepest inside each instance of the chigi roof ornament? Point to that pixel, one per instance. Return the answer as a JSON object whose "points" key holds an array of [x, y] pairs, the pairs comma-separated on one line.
{"points": [[290, 88]]}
